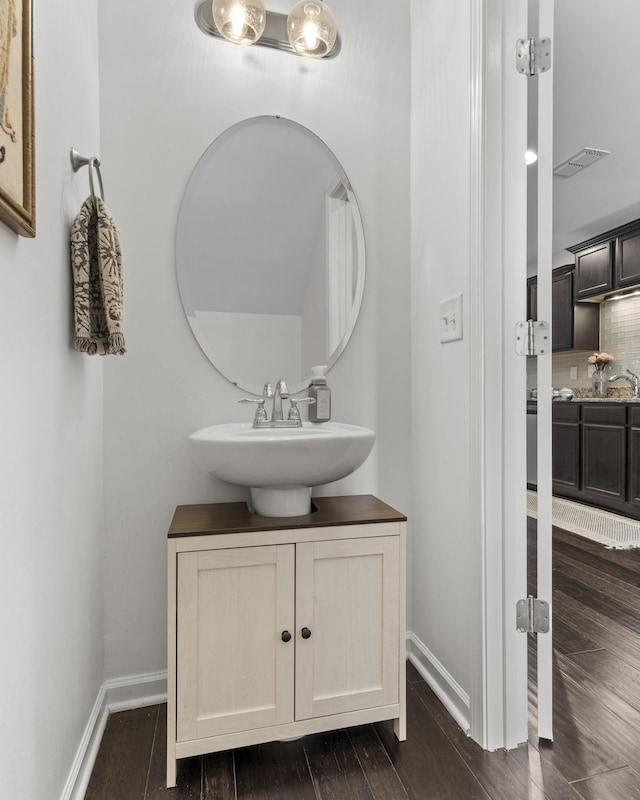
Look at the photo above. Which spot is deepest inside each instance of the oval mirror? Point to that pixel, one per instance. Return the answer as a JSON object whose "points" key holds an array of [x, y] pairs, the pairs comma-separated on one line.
{"points": [[270, 254]]}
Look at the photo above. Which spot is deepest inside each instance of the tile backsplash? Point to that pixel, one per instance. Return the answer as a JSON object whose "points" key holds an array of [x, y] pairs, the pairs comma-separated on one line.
{"points": [[619, 336]]}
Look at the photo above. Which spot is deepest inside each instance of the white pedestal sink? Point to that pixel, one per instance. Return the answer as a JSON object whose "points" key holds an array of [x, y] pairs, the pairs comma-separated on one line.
{"points": [[280, 465]]}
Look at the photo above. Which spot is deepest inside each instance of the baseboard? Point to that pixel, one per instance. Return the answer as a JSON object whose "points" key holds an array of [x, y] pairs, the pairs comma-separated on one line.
{"points": [[448, 690], [136, 691]]}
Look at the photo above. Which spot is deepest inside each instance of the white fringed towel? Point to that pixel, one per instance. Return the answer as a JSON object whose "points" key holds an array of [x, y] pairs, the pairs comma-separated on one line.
{"points": [[96, 261]]}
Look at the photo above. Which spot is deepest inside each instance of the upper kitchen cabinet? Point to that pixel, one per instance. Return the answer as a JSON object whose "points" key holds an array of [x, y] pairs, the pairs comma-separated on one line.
{"points": [[608, 262], [627, 271], [594, 270], [532, 298], [576, 326]]}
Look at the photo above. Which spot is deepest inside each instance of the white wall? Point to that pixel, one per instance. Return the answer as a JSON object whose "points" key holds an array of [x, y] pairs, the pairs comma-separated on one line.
{"points": [[51, 501], [167, 91], [442, 396]]}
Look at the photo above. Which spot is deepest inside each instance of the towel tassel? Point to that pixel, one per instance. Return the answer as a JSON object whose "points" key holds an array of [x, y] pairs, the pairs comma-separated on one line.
{"points": [[115, 344], [85, 345]]}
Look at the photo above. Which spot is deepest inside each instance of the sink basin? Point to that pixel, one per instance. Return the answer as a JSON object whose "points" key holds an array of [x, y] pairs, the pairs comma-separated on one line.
{"points": [[280, 465]]}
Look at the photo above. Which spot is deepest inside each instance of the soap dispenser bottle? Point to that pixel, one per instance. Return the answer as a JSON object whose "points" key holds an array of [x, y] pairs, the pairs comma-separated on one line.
{"points": [[320, 411]]}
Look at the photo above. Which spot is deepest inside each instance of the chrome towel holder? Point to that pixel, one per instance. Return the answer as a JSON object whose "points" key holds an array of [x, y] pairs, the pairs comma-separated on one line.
{"points": [[78, 161]]}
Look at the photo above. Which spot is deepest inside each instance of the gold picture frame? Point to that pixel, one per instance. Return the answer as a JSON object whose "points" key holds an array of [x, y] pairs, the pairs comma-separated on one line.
{"points": [[17, 145]]}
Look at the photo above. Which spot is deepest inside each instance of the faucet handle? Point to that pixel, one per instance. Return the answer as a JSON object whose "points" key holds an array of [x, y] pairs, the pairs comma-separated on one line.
{"points": [[261, 414], [294, 411]]}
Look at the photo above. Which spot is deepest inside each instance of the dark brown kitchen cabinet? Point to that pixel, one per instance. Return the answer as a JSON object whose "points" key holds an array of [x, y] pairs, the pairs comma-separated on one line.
{"points": [[604, 452], [634, 456], [596, 454], [575, 326], [594, 270], [608, 262], [565, 453], [627, 271], [532, 298]]}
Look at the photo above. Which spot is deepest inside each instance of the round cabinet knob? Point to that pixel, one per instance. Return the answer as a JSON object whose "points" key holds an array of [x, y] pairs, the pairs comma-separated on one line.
{"points": [[306, 633], [286, 636]]}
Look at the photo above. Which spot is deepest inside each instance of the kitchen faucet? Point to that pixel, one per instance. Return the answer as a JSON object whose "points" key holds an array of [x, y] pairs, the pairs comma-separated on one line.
{"points": [[633, 379]]}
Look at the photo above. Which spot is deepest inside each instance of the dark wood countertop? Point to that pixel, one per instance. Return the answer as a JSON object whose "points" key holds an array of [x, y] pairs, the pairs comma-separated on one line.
{"points": [[218, 518]]}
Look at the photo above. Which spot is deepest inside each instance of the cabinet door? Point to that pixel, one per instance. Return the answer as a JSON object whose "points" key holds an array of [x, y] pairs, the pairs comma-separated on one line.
{"points": [[532, 298], [566, 455], [634, 466], [566, 446], [628, 259], [562, 311], [604, 461], [347, 597], [234, 670], [594, 270]]}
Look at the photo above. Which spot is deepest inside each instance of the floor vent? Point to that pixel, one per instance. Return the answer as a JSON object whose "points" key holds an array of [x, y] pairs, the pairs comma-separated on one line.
{"points": [[579, 161], [611, 530]]}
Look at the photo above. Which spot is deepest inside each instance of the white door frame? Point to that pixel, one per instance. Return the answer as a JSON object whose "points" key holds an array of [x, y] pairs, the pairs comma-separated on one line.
{"points": [[499, 246], [545, 379]]}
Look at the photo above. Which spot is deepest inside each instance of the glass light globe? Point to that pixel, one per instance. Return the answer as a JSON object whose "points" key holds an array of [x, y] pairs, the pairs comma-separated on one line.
{"points": [[240, 21], [311, 28]]}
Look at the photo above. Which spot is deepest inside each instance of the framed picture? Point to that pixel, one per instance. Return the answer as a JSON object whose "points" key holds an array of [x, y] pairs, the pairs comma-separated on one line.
{"points": [[17, 169]]}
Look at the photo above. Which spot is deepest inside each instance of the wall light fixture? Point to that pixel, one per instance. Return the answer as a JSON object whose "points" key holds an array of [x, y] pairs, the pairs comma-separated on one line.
{"points": [[310, 29], [240, 21]]}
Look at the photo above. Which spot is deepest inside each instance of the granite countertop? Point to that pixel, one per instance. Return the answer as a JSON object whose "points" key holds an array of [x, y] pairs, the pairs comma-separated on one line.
{"points": [[614, 395]]}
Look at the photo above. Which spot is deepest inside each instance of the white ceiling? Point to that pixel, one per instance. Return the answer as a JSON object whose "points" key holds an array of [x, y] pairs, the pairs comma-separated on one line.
{"points": [[596, 104]]}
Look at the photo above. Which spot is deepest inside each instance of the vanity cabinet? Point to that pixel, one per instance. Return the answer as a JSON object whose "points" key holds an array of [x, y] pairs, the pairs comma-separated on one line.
{"points": [[283, 627]]}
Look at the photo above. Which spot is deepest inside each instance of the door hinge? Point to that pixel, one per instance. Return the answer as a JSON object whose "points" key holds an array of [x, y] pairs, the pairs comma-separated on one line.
{"points": [[533, 56], [532, 338], [532, 615]]}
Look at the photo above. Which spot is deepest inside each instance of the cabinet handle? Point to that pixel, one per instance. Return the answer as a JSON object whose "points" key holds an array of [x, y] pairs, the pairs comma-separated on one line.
{"points": [[286, 636], [306, 633]]}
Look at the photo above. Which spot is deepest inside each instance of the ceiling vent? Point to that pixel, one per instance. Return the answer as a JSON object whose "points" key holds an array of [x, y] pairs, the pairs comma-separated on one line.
{"points": [[579, 161]]}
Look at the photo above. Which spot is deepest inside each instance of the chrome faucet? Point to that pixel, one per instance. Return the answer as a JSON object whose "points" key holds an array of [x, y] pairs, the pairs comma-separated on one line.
{"points": [[277, 420], [280, 393], [633, 379]]}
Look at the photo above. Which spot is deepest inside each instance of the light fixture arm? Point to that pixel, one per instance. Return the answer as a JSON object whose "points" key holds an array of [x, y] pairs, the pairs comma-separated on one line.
{"points": [[274, 36]]}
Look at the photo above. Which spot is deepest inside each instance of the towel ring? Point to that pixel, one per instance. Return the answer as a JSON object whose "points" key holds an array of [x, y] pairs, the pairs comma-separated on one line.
{"points": [[95, 164], [78, 161]]}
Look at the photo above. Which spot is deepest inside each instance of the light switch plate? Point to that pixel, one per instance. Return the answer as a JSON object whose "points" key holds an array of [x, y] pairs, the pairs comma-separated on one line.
{"points": [[574, 373], [451, 319]]}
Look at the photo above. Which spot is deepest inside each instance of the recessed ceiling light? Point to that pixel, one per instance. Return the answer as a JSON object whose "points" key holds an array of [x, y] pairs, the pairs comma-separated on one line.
{"points": [[530, 157]]}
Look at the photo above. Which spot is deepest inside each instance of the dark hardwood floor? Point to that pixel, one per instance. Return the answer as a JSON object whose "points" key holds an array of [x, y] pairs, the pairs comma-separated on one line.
{"points": [[595, 754]]}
